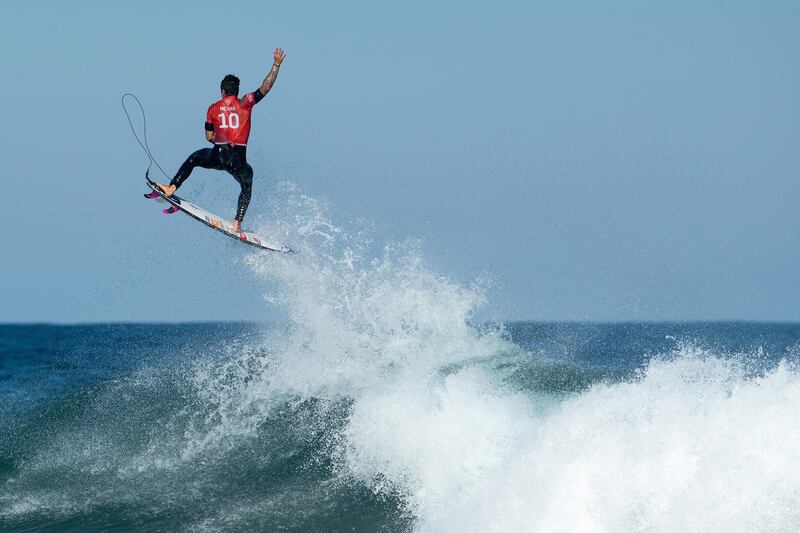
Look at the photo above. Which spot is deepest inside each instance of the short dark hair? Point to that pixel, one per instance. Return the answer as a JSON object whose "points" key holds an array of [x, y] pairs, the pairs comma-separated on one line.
{"points": [[230, 85]]}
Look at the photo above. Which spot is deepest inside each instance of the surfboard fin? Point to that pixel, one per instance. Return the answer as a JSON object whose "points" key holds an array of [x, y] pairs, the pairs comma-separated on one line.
{"points": [[172, 209], [152, 195]]}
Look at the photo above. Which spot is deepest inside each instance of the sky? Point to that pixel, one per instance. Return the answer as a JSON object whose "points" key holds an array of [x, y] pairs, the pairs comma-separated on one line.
{"points": [[601, 161]]}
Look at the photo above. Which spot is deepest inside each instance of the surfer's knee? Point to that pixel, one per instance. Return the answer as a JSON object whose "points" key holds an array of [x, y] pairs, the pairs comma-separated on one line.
{"points": [[199, 158], [196, 157]]}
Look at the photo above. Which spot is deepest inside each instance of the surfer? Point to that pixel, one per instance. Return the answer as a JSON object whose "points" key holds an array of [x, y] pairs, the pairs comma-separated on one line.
{"points": [[228, 128]]}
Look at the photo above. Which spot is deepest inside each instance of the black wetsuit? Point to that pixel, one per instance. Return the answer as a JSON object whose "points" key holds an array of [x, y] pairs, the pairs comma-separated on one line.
{"points": [[222, 157], [232, 159]]}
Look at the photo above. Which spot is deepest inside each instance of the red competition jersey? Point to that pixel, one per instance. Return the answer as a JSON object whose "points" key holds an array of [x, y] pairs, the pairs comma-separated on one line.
{"points": [[230, 119]]}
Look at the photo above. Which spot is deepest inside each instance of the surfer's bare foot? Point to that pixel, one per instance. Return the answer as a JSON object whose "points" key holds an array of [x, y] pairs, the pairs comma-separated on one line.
{"points": [[168, 190], [235, 226]]}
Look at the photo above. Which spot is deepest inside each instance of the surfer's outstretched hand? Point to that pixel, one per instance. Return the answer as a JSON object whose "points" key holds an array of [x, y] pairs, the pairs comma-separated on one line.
{"points": [[279, 56]]}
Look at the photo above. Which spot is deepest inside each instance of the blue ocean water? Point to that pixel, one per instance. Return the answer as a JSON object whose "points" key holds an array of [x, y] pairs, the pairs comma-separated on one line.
{"points": [[392, 423]]}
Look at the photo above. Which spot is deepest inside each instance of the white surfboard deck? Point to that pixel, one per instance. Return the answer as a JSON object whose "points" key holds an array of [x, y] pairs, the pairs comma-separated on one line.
{"points": [[215, 222]]}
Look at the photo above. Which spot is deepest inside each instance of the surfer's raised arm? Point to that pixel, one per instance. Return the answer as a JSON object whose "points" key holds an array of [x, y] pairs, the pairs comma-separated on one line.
{"points": [[272, 75]]}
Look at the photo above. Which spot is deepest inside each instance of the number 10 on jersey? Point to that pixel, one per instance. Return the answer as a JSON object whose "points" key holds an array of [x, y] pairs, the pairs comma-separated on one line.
{"points": [[230, 120]]}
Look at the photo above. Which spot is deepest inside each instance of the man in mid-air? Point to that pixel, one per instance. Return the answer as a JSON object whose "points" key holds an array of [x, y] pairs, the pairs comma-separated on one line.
{"points": [[228, 128]]}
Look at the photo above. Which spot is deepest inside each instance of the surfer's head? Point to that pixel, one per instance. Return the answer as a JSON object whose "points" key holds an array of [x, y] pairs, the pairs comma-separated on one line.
{"points": [[230, 85]]}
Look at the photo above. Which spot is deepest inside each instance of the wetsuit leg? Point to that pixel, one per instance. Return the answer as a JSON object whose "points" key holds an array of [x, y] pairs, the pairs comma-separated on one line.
{"points": [[244, 175], [235, 162], [204, 158]]}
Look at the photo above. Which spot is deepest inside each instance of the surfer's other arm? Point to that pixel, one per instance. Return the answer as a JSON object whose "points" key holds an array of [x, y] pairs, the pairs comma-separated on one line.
{"points": [[272, 75], [210, 132]]}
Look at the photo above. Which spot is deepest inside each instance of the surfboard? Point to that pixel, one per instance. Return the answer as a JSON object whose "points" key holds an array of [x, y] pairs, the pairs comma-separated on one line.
{"points": [[211, 220]]}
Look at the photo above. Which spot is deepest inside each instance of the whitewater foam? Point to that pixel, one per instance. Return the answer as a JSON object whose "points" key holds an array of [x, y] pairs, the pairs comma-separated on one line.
{"points": [[690, 446]]}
